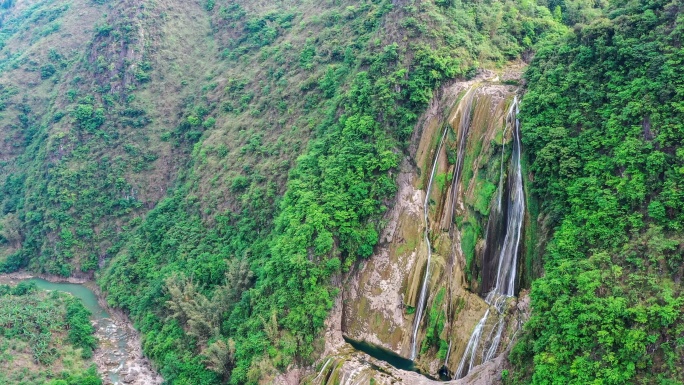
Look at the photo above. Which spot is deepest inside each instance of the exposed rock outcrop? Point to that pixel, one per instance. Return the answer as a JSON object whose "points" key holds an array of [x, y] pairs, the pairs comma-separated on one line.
{"points": [[463, 138], [380, 297]]}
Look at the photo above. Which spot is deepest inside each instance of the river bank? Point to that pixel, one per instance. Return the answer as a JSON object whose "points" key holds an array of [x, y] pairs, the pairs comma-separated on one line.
{"points": [[119, 356]]}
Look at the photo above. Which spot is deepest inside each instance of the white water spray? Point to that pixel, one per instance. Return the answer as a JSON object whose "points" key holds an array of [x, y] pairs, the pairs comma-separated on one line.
{"points": [[506, 272], [322, 370], [471, 348]]}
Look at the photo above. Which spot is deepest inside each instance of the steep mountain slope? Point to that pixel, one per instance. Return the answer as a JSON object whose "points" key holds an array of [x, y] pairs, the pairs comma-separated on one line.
{"points": [[84, 149], [360, 106], [602, 122], [227, 171]]}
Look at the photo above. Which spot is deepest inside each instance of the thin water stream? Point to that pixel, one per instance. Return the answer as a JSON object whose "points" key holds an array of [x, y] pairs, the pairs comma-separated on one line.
{"points": [[504, 287], [463, 128], [426, 236]]}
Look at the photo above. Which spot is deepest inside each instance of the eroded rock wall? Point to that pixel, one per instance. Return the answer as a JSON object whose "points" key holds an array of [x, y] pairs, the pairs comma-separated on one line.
{"points": [[379, 298]]}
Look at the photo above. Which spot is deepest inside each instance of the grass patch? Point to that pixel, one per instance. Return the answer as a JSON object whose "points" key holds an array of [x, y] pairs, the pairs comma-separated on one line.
{"points": [[469, 235]]}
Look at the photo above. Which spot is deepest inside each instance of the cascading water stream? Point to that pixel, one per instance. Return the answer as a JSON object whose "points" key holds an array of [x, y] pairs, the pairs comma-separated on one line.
{"points": [[322, 370], [505, 276], [507, 268], [426, 210], [426, 236], [471, 348], [464, 125], [503, 149]]}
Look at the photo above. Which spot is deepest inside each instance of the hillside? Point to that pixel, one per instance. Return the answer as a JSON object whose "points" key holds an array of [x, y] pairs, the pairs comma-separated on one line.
{"points": [[231, 172], [242, 97], [53, 344], [602, 122]]}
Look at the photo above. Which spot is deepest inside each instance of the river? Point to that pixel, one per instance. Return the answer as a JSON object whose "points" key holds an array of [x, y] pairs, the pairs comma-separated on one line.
{"points": [[118, 356]]}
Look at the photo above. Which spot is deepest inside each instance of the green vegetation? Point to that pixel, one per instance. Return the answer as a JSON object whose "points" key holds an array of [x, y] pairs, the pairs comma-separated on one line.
{"points": [[443, 180], [436, 318], [602, 124], [360, 104], [44, 338], [80, 330], [534, 235], [89, 377], [214, 164], [80, 136], [485, 190], [470, 231]]}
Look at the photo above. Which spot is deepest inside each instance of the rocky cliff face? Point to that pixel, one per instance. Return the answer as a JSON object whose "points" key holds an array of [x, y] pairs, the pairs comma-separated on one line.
{"points": [[462, 145]]}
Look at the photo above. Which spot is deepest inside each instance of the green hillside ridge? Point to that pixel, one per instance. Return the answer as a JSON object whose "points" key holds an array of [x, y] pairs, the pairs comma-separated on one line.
{"points": [[366, 100], [220, 125]]}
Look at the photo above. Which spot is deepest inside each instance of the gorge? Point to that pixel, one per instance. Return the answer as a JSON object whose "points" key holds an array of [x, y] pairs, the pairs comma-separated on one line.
{"points": [[343, 192]]}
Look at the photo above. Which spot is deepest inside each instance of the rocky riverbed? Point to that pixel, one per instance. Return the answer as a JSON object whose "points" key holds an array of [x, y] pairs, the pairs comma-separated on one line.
{"points": [[119, 356]]}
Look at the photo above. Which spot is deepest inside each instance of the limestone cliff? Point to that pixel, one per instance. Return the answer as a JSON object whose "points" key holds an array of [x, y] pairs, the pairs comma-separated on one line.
{"points": [[462, 144]]}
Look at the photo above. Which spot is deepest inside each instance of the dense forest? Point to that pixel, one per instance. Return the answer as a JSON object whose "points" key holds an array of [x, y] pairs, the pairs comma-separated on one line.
{"points": [[603, 128], [219, 166]]}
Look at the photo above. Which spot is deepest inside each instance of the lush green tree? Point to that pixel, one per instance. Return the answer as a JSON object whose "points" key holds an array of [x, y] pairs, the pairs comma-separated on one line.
{"points": [[603, 126], [80, 329]]}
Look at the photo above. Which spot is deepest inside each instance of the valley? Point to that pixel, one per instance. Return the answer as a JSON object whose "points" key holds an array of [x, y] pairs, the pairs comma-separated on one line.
{"points": [[341, 192], [118, 354]]}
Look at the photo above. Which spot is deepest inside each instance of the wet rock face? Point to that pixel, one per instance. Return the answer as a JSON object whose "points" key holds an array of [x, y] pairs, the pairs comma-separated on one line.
{"points": [[345, 365], [353, 367], [379, 299], [375, 297]]}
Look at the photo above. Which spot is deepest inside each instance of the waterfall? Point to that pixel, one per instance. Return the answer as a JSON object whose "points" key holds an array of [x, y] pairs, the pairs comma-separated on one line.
{"points": [[504, 287], [506, 271], [465, 120], [471, 348], [322, 370], [464, 125], [505, 276], [503, 149], [426, 236]]}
